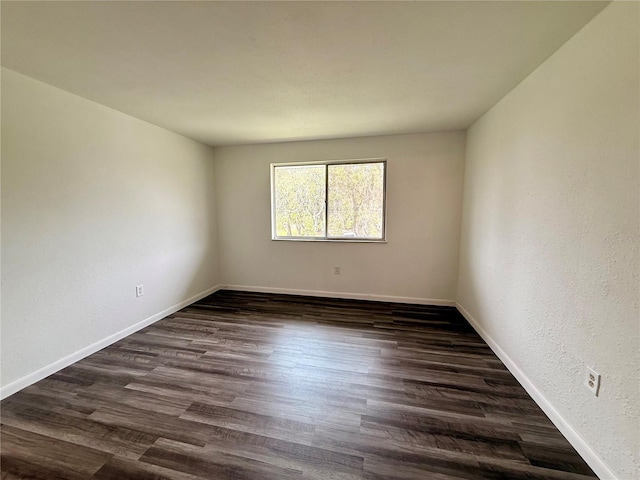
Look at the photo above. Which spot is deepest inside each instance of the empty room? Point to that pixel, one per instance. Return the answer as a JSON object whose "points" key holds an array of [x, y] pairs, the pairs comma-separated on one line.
{"points": [[320, 240]]}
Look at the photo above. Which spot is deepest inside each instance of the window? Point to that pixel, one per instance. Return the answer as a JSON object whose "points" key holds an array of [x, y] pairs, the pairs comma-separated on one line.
{"points": [[341, 200]]}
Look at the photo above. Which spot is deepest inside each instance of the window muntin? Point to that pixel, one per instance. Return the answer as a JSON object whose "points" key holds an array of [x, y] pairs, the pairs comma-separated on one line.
{"points": [[336, 200]]}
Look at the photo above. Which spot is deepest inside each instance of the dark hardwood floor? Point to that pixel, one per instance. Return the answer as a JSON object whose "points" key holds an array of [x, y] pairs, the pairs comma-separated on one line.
{"points": [[258, 386]]}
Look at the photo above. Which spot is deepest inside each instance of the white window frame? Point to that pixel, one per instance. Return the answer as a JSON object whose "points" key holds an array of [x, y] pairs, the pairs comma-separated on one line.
{"points": [[327, 238]]}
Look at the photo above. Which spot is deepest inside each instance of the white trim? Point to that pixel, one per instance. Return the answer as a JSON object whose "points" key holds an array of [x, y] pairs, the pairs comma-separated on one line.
{"points": [[586, 452], [331, 162], [351, 296], [52, 368]]}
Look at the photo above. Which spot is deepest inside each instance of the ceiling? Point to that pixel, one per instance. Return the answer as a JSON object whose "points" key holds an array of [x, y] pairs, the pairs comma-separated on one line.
{"points": [[248, 72]]}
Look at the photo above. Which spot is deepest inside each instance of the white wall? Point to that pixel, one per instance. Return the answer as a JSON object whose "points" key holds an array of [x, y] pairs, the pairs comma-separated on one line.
{"points": [[424, 195], [549, 265], [94, 202]]}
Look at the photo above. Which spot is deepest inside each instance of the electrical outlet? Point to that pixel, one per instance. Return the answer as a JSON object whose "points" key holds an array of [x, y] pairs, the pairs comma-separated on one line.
{"points": [[592, 381], [139, 291], [336, 270]]}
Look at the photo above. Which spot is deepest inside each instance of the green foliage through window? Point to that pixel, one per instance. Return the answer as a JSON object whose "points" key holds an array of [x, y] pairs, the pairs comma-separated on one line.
{"points": [[333, 200]]}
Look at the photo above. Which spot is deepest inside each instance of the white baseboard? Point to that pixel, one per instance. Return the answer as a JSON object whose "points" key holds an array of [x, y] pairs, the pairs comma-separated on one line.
{"points": [[52, 368], [351, 296], [586, 452]]}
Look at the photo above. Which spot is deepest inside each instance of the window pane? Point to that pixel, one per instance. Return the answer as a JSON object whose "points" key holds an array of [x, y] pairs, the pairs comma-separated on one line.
{"points": [[300, 201], [356, 200]]}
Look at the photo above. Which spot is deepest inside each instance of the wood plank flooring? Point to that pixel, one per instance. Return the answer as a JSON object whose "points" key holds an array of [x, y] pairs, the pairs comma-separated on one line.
{"points": [[258, 386]]}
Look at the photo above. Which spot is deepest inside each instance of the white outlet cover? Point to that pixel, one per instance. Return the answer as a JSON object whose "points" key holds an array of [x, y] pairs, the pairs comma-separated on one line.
{"points": [[592, 381]]}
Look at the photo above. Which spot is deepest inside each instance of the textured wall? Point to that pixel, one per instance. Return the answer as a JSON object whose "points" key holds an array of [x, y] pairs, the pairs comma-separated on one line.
{"points": [[549, 251], [94, 202], [424, 195]]}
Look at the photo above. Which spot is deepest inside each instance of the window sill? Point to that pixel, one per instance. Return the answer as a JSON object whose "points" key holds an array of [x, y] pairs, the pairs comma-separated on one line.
{"points": [[330, 240]]}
